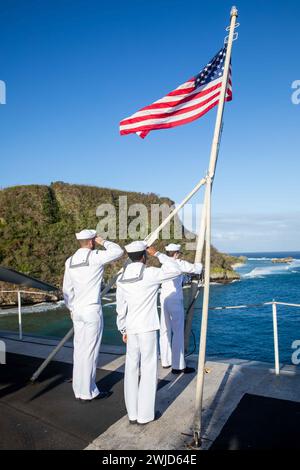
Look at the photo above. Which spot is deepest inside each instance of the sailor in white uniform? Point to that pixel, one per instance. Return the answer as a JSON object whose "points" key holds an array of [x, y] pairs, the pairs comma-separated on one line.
{"points": [[172, 312], [138, 321], [81, 289]]}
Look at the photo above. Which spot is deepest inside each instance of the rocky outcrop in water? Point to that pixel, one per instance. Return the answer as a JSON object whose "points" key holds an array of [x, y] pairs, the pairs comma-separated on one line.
{"points": [[287, 260]]}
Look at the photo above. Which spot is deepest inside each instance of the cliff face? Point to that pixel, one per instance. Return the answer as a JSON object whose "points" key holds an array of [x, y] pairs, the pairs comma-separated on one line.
{"points": [[37, 226]]}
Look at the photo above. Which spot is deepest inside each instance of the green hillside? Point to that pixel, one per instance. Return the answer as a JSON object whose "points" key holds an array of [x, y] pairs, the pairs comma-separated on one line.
{"points": [[38, 223]]}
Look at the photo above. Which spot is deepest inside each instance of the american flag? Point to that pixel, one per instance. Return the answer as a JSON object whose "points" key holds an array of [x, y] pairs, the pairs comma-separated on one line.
{"points": [[188, 102]]}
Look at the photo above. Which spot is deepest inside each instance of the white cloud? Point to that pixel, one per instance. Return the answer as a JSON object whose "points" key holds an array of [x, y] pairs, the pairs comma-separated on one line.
{"points": [[256, 232], [238, 232]]}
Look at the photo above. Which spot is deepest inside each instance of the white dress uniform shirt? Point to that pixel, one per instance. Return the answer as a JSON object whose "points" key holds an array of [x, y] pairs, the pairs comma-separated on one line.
{"points": [[137, 313], [172, 314], [173, 288], [82, 293], [84, 275], [137, 291]]}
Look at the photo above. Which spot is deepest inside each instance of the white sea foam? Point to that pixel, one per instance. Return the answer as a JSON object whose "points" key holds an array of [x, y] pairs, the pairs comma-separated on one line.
{"points": [[271, 270], [42, 307], [255, 273], [295, 263]]}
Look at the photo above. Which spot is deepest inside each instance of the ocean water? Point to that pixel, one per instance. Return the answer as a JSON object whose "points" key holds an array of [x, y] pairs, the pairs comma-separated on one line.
{"points": [[248, 333], [241, 333]]}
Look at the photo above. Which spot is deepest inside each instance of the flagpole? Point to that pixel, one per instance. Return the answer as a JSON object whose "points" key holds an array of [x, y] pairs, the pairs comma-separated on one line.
{"points": [[206, 228], [211, 171]]}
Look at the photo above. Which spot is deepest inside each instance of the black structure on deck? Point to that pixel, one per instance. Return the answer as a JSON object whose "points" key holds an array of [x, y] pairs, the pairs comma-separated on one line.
{"points": [[14, 277], [260, 423]]}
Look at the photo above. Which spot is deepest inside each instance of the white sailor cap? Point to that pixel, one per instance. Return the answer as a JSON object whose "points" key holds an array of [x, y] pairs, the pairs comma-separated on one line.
{"points": [[135, 247], [86, 234], [173, 247]]}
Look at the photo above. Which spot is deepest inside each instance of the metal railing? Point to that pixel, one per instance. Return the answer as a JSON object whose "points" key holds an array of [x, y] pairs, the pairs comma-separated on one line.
{"points": [[275, 323], [19, 298], [230, 307]]}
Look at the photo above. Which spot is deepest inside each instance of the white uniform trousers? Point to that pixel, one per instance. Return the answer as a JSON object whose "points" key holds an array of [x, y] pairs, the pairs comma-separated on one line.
{"points": [[172, 333], [87, 340], [140, 393]]}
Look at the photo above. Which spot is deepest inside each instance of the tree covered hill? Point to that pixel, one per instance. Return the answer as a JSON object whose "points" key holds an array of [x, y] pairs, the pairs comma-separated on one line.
{"points": [[38, 223]]}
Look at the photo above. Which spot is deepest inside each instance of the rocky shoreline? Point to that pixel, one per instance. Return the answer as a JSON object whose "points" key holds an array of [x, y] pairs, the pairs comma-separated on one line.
{"points": [[225, 275], [10, 299]]}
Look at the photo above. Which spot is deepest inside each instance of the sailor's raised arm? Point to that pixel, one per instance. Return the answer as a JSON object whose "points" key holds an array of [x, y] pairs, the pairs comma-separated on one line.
{"points": [[121, 308], [185, 266], [162, 257], [169, 270], [68, 289], [189, 268], [112, 251]]}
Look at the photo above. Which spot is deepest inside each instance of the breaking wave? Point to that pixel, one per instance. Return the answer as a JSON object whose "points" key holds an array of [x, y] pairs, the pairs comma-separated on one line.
{"points": [[37, 308], [271, 270]]}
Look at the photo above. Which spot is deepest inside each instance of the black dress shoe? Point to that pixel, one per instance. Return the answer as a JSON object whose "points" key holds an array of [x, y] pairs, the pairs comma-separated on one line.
{"points": [[157, 416], [82, 401], [98, 397], [186, 370], [166, 367], [132, 421], [103, 395]]}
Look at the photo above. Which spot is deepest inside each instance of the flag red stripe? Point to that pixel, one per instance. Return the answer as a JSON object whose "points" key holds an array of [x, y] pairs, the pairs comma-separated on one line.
{"points": [[147, 128], [182, 91], [171, 104], [173, 113]]}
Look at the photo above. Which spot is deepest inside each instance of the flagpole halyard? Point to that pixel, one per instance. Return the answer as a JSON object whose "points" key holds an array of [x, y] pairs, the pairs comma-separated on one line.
{"points": [[205, 228]]}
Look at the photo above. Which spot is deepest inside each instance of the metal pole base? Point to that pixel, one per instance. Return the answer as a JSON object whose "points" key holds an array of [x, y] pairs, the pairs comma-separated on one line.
{"points": [[197, 440]]}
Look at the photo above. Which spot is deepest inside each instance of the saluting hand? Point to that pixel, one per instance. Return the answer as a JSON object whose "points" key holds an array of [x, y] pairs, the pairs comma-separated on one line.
{"points": [[99, 240], [151, 250]]}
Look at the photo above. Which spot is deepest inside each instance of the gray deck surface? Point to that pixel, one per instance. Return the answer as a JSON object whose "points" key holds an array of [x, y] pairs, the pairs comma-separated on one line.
{"points": [[46, 415]]}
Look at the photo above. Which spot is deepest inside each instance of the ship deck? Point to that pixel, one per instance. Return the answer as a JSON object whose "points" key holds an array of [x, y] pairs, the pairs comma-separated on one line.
{"points": [[246, 406]]}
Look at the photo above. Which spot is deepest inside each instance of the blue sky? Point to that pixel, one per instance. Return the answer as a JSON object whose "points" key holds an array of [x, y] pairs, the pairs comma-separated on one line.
{"points": [[73, 69]]}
